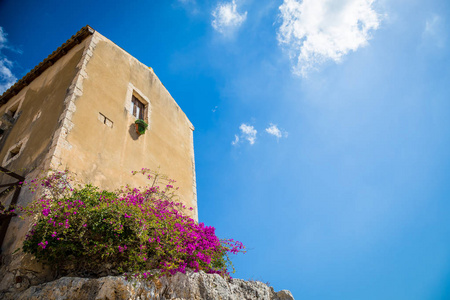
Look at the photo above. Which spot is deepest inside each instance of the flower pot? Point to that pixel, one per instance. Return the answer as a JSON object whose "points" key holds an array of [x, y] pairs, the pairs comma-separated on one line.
{"points": [[141, 126], [137, 129], [143, 129]]}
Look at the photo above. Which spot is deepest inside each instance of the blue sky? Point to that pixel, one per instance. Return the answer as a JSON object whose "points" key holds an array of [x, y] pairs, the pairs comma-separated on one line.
{"points": [[322, 127]]}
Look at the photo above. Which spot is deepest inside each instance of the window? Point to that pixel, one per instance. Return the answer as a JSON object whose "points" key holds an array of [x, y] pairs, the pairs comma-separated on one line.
{"points": [[13, 109], [14, 151], [12, 112], [137, 104], [138, 108]]}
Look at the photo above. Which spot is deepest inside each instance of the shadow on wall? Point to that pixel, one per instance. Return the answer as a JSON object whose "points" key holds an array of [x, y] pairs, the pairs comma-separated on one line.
{"points": [[132, 130]]}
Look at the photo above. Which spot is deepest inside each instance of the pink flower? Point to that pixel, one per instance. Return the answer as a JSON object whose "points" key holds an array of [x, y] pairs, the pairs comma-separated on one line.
{"points": [[43, 244]]}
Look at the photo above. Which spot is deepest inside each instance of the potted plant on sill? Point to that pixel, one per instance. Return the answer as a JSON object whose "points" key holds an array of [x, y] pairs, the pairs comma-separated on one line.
{"points": [[141, 126]]}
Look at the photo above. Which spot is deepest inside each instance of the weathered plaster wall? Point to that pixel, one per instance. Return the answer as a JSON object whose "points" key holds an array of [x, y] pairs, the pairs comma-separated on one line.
{"points": [[106, 155], [38, 119], [38, 115], [38, 122]]}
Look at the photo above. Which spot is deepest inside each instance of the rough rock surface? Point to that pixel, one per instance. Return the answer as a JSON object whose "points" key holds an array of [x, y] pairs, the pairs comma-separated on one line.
{"points": [[181, 286]]}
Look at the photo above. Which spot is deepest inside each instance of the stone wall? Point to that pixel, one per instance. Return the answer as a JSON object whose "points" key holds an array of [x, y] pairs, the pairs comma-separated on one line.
{"points": [[181, 286]]}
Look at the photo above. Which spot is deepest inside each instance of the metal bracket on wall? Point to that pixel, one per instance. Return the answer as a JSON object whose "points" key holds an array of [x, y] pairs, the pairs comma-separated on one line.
{"points": [[5, 217]]}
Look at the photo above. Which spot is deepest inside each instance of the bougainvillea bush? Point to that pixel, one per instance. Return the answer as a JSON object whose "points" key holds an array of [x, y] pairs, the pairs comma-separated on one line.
{"points": [[85, 230]]}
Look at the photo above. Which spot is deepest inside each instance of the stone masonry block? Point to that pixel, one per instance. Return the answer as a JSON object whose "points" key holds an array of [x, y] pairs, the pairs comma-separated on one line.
{"points": [[71, 106], [83, 74]]}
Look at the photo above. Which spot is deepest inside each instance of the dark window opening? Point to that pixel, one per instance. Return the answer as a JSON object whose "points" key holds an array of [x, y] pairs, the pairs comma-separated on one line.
{"points": [[13, 110], [138, 108], [15, 151]]}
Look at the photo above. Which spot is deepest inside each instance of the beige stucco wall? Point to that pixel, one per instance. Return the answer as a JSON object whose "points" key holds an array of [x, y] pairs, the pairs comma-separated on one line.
{"points": [[41, 105], [105, 155]]}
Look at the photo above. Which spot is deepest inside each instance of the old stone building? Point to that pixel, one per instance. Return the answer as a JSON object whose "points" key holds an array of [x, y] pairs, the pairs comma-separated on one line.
{"points": [[76, 110]]}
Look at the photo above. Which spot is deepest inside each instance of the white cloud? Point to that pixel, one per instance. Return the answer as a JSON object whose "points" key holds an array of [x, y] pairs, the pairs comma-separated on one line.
{"points": [[275, 131], [248, 133], [315, 31], [7, 78], [226, 18]]}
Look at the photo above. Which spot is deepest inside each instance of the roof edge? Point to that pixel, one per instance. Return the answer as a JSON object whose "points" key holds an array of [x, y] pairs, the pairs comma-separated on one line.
{"points": [[46, 63]]}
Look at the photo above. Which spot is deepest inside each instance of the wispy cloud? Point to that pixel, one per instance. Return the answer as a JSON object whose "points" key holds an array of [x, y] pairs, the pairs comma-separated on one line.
{"points": [[7, 78], [226, 18], [248, 133], [316, 31], [236, 140], [434, 32], [2, 38], [275, 131]]}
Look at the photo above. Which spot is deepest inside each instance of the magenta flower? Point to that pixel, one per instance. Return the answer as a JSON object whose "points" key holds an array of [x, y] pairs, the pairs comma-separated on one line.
{"points": [[43, 244], [132, 229]]}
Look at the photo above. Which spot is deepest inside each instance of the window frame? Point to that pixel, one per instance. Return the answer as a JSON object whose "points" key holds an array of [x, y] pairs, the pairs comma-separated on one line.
{"points": [[10, 158], [15, 107], [134, 93]]}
